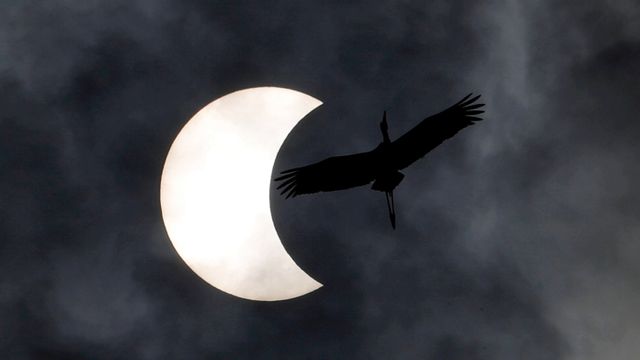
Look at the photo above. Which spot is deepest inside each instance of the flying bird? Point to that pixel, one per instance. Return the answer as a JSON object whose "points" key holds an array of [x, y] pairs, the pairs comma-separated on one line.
{"points": [[381, 165]]}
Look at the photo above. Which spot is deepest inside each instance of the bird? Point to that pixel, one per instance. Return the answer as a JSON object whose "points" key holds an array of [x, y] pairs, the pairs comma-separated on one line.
{"points": [[381, 166]]}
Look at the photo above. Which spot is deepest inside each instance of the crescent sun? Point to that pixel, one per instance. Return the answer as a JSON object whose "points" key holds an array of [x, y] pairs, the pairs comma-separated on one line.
{"points": [[214, 193]]}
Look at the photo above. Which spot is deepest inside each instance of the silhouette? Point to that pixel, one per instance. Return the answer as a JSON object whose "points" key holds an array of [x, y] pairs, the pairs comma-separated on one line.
{"points": [[382, 164]]}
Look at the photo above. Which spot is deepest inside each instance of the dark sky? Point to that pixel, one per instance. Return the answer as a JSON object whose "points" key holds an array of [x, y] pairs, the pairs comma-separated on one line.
{"points": [[517, 239]]}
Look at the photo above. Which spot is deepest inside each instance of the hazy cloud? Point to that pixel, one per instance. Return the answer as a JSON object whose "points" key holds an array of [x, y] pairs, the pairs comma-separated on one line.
{"points": [[516, 239]]}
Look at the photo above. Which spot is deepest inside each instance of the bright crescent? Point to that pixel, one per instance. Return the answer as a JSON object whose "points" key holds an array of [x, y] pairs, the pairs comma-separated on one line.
{"points": [[214, 193]]}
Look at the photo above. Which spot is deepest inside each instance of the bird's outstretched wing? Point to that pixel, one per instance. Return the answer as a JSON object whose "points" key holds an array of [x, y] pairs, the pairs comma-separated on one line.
{"points": [[435, 129], [334, 173]]}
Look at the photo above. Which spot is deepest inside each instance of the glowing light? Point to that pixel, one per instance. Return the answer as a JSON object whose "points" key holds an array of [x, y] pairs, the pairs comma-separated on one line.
{"points": [[215, 193]]}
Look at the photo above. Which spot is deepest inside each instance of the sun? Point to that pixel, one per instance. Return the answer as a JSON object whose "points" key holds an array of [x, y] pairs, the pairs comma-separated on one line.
{"points": [[214, 193]]}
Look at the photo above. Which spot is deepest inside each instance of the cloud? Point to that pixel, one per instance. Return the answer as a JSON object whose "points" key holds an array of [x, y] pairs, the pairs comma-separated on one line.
{"points": [[516, 238]]}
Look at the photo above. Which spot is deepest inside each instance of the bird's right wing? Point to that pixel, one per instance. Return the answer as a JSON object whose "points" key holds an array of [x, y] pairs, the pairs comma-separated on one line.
{"points": [[435, 129], [334, 173]]}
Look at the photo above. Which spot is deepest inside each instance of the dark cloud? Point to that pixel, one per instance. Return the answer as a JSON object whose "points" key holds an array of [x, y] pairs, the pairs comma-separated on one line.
{"points": [[516, 239]]}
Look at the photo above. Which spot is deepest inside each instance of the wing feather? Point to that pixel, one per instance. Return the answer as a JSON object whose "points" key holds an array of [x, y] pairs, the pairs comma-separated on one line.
{"points": [[434, 130], [334, 173]]}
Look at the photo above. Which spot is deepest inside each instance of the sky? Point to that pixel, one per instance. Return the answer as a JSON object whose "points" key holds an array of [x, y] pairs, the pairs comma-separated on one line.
{"points": [[518, 238]]}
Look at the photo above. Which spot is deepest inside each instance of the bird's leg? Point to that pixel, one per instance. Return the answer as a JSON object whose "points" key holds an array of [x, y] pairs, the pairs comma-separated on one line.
{"points": [[391, 207]]}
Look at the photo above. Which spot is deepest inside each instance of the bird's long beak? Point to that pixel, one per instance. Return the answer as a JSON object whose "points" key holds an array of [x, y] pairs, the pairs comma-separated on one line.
{"points": [[384, 127]]}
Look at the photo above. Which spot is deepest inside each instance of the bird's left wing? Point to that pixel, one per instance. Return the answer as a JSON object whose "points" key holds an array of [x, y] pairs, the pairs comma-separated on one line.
{"points": [[334, 173], [435, 129]]}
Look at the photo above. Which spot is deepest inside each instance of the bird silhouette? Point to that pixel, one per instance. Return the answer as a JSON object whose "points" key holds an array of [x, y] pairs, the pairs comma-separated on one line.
{"points": [[381, 165]]}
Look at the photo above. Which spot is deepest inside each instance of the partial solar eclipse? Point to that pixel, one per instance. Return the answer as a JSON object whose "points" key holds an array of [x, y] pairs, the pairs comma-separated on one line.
{"points": [[214, 193]]}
